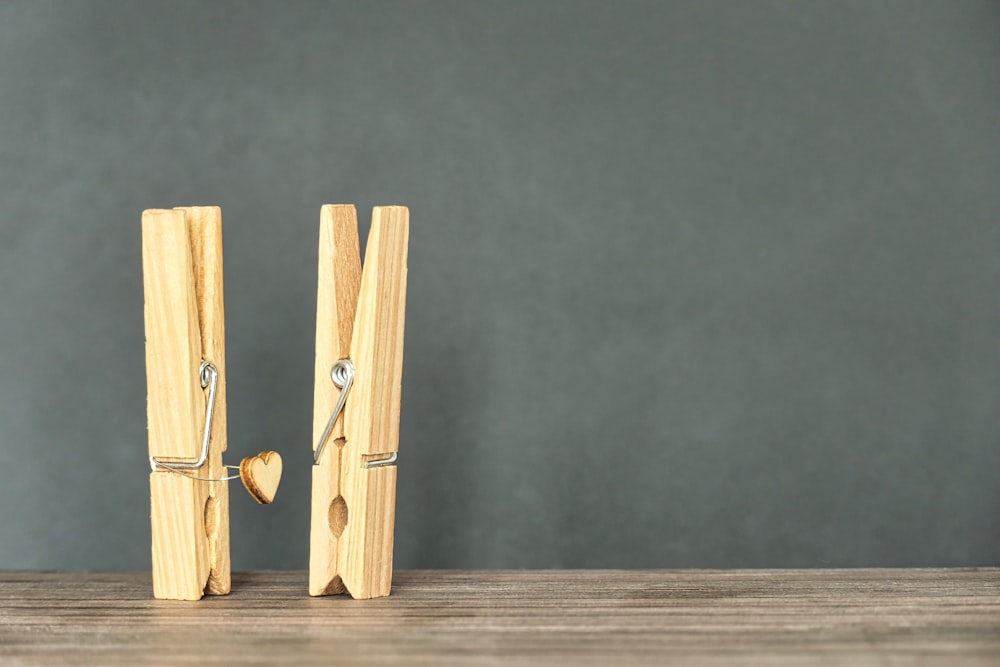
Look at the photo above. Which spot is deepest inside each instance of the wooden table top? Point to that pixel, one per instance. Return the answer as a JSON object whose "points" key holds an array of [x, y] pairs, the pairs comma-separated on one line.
{"points": [[439, 617]]}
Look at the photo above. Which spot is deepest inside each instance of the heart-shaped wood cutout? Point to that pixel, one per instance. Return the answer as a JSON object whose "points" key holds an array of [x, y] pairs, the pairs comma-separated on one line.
{"points": [[261, 474]]}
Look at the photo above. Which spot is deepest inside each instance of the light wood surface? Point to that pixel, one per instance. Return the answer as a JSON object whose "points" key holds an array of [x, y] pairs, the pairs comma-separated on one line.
{"points": [[182, 278], [175, 400], [205, 224], [353, 506], [372, 417], [684, 617], [338, 283]]}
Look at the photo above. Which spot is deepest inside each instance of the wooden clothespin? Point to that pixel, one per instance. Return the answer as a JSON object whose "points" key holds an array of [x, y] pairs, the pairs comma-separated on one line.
{"points": [[182, 278], [359, 365], [186, 404]]}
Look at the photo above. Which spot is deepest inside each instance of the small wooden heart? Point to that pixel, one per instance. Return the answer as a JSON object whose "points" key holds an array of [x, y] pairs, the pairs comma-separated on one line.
{"points": [[261, 474]]}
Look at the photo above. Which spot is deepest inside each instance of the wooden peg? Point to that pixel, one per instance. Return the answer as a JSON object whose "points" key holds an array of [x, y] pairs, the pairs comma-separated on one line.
{"points": [[182, 281], [354, 480]]}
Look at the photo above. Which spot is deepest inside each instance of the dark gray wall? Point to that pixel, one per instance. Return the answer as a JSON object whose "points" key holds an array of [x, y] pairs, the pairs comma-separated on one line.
{"points": [[691, 284]]}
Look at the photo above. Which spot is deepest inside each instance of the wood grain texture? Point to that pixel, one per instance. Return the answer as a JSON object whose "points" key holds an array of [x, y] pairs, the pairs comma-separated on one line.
{"points": [[353, 507], [684, 617], [371, 414], [175, 400], [338, 283], [205, 230], [181, 559], [182, 278]]}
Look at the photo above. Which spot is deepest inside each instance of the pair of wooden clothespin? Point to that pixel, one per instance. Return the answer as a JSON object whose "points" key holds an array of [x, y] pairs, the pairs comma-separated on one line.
{"points": [[359, 363], [186, 405]]}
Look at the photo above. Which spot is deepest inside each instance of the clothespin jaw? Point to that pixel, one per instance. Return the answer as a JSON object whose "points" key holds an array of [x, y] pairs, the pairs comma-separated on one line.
{"points": [[182, 281], [359, 326]]}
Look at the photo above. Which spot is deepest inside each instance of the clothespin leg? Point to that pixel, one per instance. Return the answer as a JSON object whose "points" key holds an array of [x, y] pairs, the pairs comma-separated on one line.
{"points": [[339, 280]]}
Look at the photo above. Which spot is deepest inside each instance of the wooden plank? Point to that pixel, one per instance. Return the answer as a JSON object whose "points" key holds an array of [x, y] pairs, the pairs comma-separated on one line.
{"points": [[339, 280], [371, 415], [205, 231], [612, 617]]}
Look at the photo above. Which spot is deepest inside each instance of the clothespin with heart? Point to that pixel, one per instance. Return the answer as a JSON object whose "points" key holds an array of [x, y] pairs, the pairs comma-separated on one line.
{"points": [[186, 405]]}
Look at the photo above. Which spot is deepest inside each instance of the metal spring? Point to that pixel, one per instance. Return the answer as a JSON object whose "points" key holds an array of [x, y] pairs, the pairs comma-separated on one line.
{"points": [[209, 376], [342, 375]]}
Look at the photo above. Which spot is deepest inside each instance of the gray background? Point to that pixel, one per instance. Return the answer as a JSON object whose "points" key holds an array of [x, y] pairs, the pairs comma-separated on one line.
{"points": [[691, 284]]}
